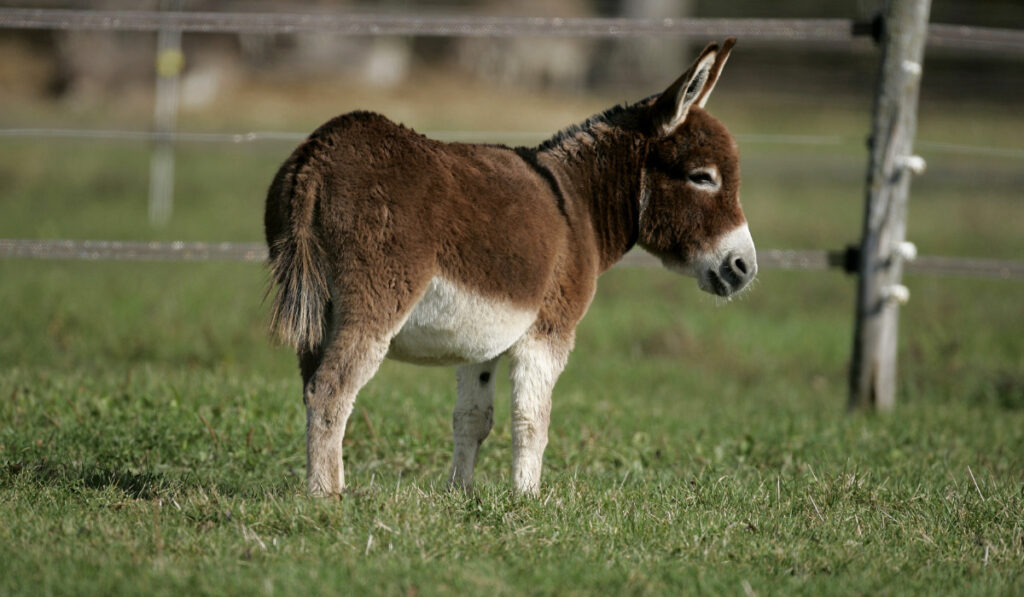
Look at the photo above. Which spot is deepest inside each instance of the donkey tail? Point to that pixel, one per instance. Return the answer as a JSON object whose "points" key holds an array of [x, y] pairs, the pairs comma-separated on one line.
{"points": [[296, 261]]}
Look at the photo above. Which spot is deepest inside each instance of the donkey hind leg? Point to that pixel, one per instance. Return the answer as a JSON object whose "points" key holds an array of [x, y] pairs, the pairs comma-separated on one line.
{"points": [[472, 419], [536, 363], [309, 360], [348, 362]]}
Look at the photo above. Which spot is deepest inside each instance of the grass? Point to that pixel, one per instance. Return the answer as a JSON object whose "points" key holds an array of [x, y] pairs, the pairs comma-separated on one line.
{"points": [[151, 439]]}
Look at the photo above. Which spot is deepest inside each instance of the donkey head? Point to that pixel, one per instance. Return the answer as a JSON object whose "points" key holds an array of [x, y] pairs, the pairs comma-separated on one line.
{"points": [[690, 215]]}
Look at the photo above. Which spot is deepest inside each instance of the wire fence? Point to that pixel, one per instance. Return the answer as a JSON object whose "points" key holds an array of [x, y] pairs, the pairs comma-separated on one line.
{"points": [[813, 30], [425, 25], [467, 136], [812, 259], [782, 30]]}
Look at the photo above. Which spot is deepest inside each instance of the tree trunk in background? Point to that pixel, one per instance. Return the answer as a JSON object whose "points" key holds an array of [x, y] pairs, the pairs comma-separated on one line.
{"points": [[656, 60], [556, 62]]}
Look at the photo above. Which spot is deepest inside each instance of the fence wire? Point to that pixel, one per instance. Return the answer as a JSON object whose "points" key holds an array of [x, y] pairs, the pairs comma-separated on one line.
{"points": [[470, 136], [789, 259], [425, 25], [809, 30]]}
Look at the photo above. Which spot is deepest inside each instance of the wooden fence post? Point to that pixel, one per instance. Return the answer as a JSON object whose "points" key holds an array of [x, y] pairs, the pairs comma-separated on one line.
{"points": [[883, 248], [169, 62]]}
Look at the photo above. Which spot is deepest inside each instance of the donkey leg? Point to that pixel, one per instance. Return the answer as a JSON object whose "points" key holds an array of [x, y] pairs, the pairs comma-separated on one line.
{"points": [[308, 363], [349, 361], [472, 419], [537, 361]]}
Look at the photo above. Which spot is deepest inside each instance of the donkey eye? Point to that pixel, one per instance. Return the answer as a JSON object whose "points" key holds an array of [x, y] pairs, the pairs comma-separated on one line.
{"points": [[705, 178]]}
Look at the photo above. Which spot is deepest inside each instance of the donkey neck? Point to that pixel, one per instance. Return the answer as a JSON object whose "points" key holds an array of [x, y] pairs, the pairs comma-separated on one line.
{"points": [[598, 166]]}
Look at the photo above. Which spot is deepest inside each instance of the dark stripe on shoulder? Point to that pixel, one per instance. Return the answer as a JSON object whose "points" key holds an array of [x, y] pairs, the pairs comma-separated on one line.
{"points": [[529, 156]]}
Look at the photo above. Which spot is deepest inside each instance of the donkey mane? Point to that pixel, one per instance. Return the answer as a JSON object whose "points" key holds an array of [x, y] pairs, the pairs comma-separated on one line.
{"points": [[616, 116]]}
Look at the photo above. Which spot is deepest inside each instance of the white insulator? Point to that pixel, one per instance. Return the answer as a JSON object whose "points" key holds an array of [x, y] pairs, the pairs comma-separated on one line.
{"points": [[914, 163], [907, 251], [896, 292], [912, 68]]}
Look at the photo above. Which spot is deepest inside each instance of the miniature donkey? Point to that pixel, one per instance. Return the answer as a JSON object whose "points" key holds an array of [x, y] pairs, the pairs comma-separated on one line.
{"points": [[384, 243]]}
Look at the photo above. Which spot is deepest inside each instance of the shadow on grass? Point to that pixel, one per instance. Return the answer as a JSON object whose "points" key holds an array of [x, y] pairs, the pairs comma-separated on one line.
{"points": [[136, 485], [141, 485]]}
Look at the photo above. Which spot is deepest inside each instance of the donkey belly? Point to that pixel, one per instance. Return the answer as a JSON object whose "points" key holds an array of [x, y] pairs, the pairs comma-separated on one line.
{"points": [[452, 325]]}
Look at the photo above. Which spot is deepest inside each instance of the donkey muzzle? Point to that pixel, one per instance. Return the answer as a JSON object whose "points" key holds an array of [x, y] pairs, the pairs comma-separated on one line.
{"points": [[731, 267], [732, 275]]}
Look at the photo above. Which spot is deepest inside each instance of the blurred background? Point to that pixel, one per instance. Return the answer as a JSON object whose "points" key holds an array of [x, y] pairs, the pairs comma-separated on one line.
{"points": [[813, 98], [801, 113], [84, 67]]}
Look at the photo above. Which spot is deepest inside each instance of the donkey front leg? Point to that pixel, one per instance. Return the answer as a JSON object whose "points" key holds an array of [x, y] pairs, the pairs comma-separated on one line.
{"points": [[472, 419], [537, 361], [330, 394]]}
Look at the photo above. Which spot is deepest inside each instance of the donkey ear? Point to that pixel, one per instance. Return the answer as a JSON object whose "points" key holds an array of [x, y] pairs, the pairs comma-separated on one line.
{"points": [[670, 109], [716, 71]]}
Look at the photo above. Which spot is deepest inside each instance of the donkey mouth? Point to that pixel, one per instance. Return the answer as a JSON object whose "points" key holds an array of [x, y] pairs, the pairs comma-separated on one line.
{"points": [[715, 285]]}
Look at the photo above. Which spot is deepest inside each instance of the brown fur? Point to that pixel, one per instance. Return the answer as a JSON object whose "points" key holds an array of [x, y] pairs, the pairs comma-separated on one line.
{"points": [[399, 202], [365, 212], [677, 225]]}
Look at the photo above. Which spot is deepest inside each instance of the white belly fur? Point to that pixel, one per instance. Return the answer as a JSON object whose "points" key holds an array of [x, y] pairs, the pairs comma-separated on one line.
{"points": [[452, 325]]}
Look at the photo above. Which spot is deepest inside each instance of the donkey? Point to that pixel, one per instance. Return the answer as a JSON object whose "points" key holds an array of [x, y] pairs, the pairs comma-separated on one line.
{"points": [[385, 243]]}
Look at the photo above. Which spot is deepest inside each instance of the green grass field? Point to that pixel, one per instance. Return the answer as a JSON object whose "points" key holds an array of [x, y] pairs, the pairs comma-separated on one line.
{"points": [[151, 438]]}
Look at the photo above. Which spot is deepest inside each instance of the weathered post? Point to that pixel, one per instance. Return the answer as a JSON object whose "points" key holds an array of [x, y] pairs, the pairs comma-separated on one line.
{"points": [[169, 62], [883, 248]]}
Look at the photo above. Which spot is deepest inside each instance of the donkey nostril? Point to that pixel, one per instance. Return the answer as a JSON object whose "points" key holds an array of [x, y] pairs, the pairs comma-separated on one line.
{"points": [[739, 265]]}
